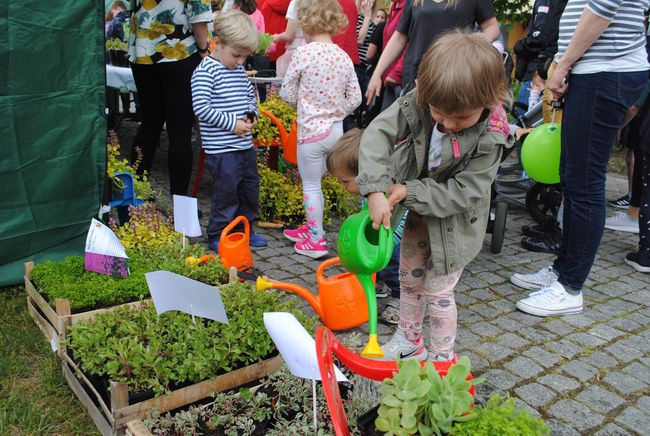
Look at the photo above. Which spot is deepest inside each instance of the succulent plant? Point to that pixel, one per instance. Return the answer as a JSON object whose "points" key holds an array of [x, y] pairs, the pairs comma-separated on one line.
{"points": [[418, 400]]}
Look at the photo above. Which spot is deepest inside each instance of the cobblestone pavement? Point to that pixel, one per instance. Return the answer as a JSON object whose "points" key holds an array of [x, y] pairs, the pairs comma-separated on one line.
{"points": [[584, 374]]}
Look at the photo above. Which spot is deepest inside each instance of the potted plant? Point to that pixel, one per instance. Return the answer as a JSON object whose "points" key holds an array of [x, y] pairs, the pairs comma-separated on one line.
{"points": [[259, 61]]}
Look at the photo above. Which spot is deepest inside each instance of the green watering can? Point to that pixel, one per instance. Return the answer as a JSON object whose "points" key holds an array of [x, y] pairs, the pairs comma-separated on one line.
{"points": [[364, 251]]}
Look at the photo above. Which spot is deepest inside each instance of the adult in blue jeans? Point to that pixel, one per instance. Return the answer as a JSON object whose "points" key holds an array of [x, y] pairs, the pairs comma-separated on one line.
{"points": [[601, 69]]}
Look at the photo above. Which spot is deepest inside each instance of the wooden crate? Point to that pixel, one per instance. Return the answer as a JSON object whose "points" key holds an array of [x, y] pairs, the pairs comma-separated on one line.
{"points": [[137, 427], [119, 417], [54, 322]]}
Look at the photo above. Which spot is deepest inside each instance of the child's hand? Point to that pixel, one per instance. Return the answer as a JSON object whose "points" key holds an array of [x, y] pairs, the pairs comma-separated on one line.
{"points": [[243, 127], [521, 132], [396, 194], [379, 210]]}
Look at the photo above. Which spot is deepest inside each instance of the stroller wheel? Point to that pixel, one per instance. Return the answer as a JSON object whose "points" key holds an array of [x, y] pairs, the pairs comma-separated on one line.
{"points": [[543, 202], [499, 226]]}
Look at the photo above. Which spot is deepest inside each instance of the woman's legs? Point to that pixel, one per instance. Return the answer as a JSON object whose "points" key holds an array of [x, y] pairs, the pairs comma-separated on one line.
{"points": [[593, 112]]}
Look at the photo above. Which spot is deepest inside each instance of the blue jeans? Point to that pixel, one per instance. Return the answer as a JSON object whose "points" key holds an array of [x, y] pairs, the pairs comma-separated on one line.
{"points": [[593, 112], [390, 274], [522, 96], [236, 189]]}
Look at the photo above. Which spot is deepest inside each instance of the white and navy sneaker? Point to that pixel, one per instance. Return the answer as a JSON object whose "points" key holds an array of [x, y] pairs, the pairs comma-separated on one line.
{"points": [[551, 300]]}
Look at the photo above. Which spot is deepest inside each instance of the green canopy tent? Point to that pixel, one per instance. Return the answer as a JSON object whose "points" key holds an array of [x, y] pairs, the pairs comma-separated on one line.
{"points": [[52, 129]]}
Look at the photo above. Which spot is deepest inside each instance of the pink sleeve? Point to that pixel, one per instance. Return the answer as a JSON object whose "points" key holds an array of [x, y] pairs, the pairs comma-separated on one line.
{"points": [[258, 20]]}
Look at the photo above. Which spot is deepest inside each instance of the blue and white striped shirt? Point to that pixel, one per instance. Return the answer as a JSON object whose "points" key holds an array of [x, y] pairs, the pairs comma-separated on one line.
{"points": [[620, 48], [220, 97]]}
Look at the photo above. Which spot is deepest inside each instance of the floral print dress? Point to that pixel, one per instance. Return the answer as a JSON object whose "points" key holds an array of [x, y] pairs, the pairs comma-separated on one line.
{"points": [[161, 30]]}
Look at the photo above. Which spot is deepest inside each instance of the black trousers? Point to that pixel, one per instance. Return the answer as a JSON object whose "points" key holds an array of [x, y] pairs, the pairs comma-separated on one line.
{"points": [[166, 97]]}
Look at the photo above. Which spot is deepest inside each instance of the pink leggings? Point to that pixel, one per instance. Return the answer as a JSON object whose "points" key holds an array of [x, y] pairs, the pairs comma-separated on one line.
{"points": [[418, 281]]}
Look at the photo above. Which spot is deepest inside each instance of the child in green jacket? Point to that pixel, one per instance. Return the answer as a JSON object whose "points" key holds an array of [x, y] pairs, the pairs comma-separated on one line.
{"points": [[449, 132]]}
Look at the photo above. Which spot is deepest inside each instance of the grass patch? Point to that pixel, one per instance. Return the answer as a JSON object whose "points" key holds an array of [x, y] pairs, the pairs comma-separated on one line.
{"points": [[616, 162], [34, 396]]}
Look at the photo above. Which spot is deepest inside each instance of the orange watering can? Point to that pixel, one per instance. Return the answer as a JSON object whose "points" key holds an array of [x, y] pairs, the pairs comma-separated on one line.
{"points": [[289, 140], [340, 303], [234, 248], [364, 251]]}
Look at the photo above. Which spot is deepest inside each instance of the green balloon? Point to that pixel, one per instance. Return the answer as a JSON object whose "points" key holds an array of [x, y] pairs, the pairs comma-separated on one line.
{"points": [[540, 153]]}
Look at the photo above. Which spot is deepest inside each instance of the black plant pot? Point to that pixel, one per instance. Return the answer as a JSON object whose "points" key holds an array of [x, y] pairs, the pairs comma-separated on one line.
{"points": [[366, 423]]}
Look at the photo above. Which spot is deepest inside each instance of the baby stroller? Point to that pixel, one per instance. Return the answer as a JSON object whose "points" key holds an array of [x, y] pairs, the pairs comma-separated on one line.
{"points": [[541, 201]]}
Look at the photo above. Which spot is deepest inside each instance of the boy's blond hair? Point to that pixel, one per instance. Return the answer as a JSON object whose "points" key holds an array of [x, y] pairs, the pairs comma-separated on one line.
{"points": [[321, 16], [344, 155], [235, 29], [461, 71]]}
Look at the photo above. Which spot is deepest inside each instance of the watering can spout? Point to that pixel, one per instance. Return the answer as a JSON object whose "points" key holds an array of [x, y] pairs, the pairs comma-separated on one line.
{"points": [[263, 283]]}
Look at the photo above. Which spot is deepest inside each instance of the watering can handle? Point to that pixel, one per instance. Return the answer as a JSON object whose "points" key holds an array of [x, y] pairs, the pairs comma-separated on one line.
{"points": [[277, 122], [232, 225], [325, 264], [383, 242]]}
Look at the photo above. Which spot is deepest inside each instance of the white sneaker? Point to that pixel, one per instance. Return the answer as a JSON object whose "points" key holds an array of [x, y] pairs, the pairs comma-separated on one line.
{"points": [[551, 300], [401, 347], [534, 281], [622, 222]]}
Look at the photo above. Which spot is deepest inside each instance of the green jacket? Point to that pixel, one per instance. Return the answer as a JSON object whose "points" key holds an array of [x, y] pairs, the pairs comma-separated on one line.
{"points": [[455, 197]]}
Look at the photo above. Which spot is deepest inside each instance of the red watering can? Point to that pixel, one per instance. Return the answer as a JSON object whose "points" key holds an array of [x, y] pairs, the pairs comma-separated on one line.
{"points": [[328, 345]]}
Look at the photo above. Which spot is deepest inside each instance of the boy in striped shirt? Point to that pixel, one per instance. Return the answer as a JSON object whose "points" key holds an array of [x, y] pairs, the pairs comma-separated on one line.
{"points": [[225, 105]]}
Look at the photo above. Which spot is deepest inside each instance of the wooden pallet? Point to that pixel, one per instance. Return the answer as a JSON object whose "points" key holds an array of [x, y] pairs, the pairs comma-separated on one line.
{"points": [[55, 322], [119, 417], [138, 428]]}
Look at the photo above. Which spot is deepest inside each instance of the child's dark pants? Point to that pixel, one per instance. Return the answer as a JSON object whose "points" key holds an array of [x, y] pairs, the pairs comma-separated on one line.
{"points": [[236, 188]]}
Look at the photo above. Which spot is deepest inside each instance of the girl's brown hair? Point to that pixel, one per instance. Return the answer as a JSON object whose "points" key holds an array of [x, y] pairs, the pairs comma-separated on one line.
{"points": [[321, 16], [462, 71]]}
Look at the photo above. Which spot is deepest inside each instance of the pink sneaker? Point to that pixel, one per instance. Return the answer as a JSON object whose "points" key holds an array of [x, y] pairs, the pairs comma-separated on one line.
{"points": [[297, 235], [315, 250]]}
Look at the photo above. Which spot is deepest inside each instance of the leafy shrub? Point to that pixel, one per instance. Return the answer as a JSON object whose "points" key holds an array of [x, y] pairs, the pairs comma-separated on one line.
{"points": [[147, 351], [147, 228], [501, 417], [114, 164], [281, 197], [265, 130], [88, 290]]}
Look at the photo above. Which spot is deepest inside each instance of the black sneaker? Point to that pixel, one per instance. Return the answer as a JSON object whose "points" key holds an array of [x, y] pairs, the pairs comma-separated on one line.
{"points": [[621, 203], [639, 261], [544, 245], [535, 231]]}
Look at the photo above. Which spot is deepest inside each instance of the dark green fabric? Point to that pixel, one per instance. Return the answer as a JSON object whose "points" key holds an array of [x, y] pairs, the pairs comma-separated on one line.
{"points": [[52, 128]]}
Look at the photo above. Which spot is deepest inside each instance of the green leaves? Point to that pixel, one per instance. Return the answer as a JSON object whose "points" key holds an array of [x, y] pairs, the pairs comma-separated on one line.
{"points": [[418, 400], [148, 351], [88, 290], [500, 417], [283, 198]]}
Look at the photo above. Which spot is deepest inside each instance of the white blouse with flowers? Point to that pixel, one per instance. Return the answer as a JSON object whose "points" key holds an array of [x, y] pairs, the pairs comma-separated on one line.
{"points": [[161, 30]]}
